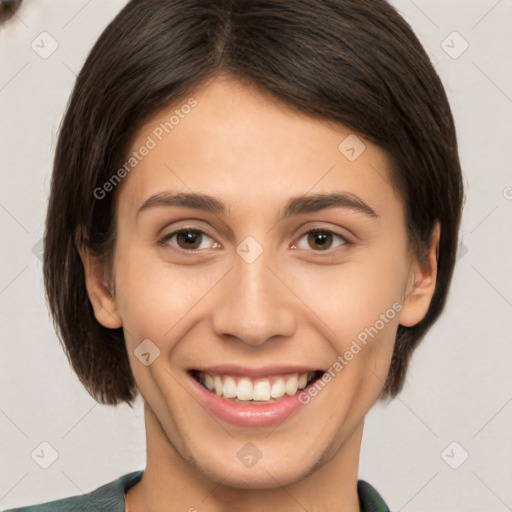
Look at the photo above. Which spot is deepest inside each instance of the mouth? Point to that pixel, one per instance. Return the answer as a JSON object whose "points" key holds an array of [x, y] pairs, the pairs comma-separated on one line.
{"points": [[248, 389]]}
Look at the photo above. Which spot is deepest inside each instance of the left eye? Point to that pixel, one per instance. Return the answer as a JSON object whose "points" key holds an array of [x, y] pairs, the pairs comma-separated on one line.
{"points": [[322, 239]]}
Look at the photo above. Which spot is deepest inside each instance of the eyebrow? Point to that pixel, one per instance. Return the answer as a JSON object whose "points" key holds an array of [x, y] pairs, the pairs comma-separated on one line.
{"points": [[294, 206]]}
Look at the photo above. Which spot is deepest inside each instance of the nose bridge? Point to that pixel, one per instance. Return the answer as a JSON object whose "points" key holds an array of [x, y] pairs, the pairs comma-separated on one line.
{"points": [[256, 304]]}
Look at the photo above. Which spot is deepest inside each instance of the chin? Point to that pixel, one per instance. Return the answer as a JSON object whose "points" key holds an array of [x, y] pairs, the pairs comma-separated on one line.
{"points": [[264, 478], [280, 471]]}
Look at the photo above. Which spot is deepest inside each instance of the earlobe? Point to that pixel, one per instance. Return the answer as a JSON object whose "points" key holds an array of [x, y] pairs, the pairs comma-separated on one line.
{"points": [[99, 292], [421, 284]]}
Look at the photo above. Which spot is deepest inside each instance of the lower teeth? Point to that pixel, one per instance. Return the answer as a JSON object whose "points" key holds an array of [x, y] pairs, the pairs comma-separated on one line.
{"points": [[255, 401]]}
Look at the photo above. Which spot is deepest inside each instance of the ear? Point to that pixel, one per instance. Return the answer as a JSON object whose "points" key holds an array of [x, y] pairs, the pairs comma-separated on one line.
{"points": [[98, 290], [421, 284]]}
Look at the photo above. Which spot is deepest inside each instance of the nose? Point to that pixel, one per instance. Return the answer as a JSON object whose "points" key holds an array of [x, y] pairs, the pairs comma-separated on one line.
{"points": [[255, 303]]}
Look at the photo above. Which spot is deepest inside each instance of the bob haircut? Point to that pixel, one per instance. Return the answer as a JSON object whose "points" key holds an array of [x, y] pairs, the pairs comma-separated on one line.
{"points": [[354, 62]]}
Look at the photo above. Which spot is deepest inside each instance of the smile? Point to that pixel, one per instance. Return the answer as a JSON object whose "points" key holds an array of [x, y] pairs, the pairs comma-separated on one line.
{"points": [[248, 389], [250, 397]]}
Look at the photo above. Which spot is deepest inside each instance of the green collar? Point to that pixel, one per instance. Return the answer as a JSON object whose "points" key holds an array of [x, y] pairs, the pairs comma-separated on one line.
{"points": [[111, 498]]}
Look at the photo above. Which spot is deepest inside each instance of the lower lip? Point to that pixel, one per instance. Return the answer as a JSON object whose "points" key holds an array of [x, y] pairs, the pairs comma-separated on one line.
{"points": [[246, 415]]}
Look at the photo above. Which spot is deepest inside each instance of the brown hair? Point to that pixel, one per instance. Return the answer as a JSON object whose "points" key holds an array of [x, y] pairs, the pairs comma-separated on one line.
{"points": [[355, 62]]}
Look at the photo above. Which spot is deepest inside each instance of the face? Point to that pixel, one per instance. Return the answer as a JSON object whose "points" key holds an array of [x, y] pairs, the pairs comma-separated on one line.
{"points": [[255, 300]]}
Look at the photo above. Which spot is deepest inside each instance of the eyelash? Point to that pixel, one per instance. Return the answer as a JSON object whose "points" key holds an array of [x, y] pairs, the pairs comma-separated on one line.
{"points": [[165, 239]]}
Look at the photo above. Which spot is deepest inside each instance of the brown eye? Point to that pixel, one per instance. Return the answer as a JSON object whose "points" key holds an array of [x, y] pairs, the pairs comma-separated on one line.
{"points": [[188, 239], [322, 240], [8, 9]]}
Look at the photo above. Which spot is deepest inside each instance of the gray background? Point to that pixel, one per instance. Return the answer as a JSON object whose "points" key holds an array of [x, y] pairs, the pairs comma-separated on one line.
{"points": [[459, 387]]}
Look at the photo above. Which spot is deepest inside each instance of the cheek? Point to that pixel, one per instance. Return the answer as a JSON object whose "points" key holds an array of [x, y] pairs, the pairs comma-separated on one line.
{"points": [[353, 297], [154, 296]]}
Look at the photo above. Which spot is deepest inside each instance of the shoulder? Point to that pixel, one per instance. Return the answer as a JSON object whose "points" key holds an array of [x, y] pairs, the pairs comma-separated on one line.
{"points": [[370, 499], [107, 498]]}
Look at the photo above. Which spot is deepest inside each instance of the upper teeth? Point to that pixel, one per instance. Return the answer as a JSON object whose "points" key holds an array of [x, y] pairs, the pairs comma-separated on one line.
{"points": [[260, 390]]}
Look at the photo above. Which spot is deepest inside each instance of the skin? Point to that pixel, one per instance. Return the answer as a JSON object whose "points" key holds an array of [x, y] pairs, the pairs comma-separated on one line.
{"points": [[296, 303]]}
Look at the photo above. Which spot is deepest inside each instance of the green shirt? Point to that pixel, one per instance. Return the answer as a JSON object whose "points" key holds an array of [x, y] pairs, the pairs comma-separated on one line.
{"points": [[110, 498]]}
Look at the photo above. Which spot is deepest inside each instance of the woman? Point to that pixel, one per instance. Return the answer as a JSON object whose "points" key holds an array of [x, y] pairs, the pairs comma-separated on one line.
{"points": [[252, 223]]}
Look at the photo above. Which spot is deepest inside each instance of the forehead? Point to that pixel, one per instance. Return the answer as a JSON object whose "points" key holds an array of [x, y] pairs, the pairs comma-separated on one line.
{"points": [[228, 139]]}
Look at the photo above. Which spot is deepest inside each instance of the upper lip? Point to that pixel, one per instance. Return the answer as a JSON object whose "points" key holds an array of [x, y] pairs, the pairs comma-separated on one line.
{"points": [[229, 369]]}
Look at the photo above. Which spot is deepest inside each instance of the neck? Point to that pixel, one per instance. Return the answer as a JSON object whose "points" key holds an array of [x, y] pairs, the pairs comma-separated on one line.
{"points": [[171, 483]]}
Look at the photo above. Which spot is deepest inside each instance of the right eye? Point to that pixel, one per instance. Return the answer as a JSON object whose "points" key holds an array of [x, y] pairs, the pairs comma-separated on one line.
{"points": [[184, 237]]}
